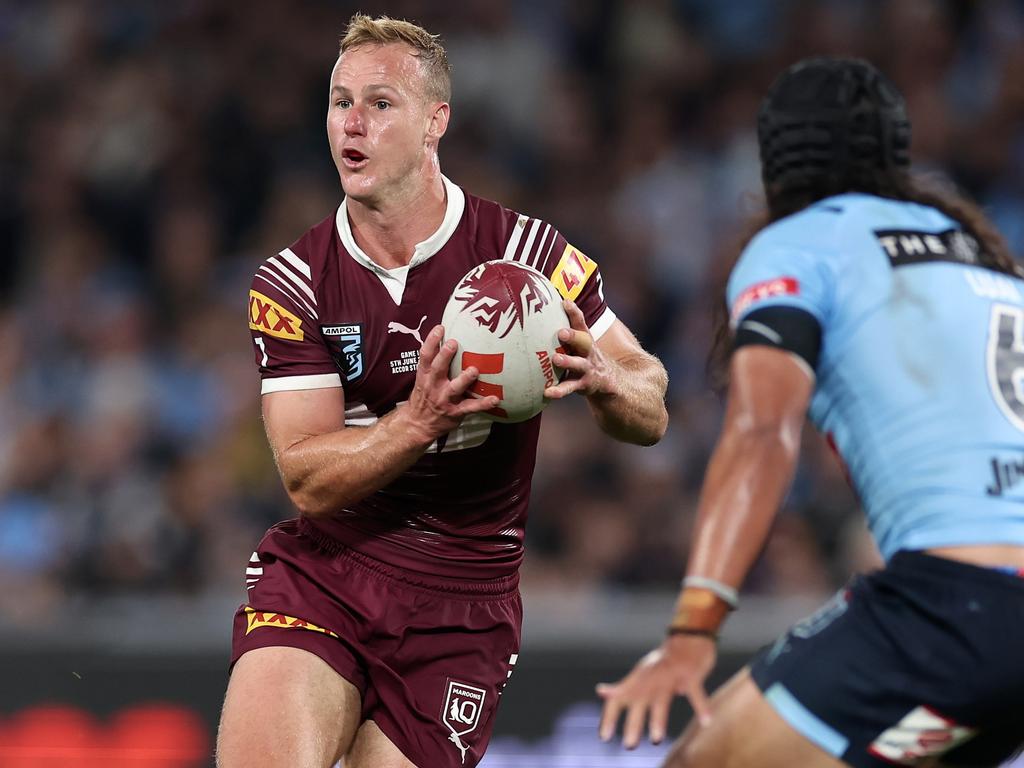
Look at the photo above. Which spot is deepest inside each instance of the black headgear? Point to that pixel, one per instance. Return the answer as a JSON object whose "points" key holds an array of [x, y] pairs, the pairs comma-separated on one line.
{"points": [[831, 124]]}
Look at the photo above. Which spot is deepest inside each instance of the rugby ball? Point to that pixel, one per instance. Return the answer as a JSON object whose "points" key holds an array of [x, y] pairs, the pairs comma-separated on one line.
{"points": [[506, 317]]}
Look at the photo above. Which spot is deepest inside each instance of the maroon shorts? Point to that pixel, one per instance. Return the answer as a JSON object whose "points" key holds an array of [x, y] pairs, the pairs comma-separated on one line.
{"points": [[429, 655]]}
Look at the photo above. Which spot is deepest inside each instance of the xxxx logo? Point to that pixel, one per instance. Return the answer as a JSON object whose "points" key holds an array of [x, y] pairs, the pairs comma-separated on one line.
{"points": [[256, 619], [269, 317]]}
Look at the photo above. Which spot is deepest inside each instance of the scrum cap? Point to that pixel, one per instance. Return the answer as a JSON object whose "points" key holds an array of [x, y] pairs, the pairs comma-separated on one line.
{"points": [[831, 123]]}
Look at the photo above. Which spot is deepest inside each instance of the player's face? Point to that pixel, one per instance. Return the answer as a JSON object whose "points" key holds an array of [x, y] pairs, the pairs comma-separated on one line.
{"points": [[381, 125]]}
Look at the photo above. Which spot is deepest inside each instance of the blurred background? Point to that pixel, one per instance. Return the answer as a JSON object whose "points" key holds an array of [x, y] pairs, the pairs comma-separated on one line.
{"points": [[152, 154]]}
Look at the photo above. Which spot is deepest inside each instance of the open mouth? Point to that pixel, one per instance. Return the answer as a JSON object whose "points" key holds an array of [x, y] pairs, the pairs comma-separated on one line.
{"points": [[353, 158]]}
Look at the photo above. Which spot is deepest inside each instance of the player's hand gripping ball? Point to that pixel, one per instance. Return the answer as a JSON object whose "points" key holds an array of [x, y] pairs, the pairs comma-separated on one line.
{"points": [[506, 317]]}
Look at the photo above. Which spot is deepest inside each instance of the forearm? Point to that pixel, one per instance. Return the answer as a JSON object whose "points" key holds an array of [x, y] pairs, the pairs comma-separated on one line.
{"points": [[323, 474], [746, 482], [634, 410]]}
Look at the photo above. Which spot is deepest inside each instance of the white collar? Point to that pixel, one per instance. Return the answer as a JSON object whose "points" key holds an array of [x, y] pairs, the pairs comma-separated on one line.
{"points": [[452, 216]]}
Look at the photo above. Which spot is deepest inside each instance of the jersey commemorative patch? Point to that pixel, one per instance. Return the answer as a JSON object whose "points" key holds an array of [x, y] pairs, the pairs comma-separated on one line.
{"points": [[572, 272]]}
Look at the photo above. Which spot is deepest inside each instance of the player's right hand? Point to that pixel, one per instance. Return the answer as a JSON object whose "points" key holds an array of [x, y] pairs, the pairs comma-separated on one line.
{"points": [[678, 668], [437, 404]]}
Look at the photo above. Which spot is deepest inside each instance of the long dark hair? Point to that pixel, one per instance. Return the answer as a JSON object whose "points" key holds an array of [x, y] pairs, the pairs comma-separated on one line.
{"points": [[893, 183]]}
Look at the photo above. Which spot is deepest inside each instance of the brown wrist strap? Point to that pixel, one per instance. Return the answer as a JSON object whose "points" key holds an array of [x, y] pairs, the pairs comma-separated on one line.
{"points": [[672, 631], [699, 610]]}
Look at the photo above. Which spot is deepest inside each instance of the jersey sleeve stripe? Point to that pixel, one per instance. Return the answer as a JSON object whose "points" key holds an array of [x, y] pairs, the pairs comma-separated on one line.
{"points": [[602, 324], [285, 272], [265, 274], [528, 245], [543, 267], [359, 416], [513, 240], [289, 255], [295, 383], [535, 258]]}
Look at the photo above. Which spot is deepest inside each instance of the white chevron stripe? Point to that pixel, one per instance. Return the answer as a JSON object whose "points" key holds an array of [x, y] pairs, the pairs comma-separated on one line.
{"points": [[528, 246], [299, 282], [253, 571], [359, 416], [279, 283], [289, 255], [543, 267], [517, 233], [255, 558], [535, 259]]}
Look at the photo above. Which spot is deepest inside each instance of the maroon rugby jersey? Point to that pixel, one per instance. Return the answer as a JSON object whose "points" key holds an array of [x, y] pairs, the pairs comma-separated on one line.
{"points": [[322, 314]]}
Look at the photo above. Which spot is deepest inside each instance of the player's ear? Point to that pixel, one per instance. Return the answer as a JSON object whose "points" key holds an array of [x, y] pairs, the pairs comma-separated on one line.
{"points": [[438, 121]]}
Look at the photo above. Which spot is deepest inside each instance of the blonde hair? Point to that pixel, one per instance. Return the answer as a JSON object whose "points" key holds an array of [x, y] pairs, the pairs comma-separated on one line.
{"points": [[363, 30]]}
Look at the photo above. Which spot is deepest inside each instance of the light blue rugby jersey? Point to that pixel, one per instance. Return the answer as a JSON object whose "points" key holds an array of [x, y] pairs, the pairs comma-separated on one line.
{"points": [[920, 380]]}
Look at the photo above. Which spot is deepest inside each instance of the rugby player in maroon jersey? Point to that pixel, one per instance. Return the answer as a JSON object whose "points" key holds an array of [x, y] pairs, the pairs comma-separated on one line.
{"points": [[382, 623]]}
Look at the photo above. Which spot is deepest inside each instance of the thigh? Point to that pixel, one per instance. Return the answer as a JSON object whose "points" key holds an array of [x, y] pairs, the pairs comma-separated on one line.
{"points": [[372, 749], [745, 730], [434, 689], [286, 708]]}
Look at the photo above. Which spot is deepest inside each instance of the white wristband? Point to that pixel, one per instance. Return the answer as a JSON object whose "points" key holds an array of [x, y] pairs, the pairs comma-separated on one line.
{"points": [[724, 591]]}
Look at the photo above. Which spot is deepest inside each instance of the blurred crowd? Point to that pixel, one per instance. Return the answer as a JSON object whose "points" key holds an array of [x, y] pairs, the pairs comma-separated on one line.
{"points": [[152, 154]]}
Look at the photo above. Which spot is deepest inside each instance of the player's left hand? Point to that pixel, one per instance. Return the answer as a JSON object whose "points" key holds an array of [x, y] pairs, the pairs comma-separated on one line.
{"points": [[588, 370], [678, 668]]}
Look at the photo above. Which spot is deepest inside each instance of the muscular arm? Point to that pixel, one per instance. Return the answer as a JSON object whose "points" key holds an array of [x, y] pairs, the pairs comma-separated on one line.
{"points": [[753, 463], [633, 407], [746, 480], [624, 385], [326, 465]]}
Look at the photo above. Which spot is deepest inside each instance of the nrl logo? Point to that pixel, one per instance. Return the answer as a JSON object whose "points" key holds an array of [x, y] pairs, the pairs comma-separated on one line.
{"points": [[461, 712]]}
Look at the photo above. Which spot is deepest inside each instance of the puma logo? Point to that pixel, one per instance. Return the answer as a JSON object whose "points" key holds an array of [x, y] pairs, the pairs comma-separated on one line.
{"points": [[396, 327], [463, 748]]}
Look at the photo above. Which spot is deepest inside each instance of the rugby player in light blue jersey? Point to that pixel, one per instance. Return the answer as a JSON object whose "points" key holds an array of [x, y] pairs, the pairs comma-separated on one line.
{"points": [[893, 317]]}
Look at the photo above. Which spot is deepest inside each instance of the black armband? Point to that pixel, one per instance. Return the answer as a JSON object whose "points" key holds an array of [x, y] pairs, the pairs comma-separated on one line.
{"points": [[789, 328]]}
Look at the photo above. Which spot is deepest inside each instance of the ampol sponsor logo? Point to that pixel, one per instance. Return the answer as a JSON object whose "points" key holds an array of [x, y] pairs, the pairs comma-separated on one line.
{"points": [[463, 704], [547, 367]]}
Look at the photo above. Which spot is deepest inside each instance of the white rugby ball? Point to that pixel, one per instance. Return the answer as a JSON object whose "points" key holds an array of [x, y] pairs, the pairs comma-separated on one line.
{"points": [[506, 317]]}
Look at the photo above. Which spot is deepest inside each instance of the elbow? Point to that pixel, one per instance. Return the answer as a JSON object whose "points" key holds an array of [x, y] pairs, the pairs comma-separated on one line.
{"points": [[309, 500], [657, 431], [646, 432], [307, 504], [768, 437]]}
